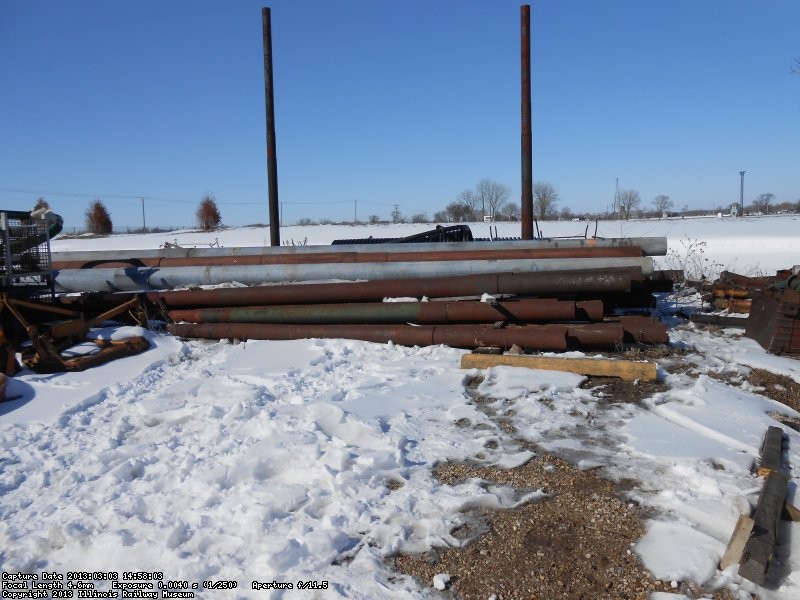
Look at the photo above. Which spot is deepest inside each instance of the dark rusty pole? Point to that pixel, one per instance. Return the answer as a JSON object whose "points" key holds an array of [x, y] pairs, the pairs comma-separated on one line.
{"points": [[527, 147], [272, 161]]}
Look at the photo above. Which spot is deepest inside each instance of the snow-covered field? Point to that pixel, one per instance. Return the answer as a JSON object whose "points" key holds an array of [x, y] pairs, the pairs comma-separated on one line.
{"points": [[311, 460], [705, 246]]}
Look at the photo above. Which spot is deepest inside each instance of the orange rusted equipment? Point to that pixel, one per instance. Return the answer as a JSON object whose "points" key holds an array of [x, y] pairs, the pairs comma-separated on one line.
{"points": [[32, 320]]}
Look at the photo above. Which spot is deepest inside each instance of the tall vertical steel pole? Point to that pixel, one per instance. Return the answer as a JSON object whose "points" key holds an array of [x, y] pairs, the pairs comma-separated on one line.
{"points": [[741, 193], [272, 161], [527, 146]]}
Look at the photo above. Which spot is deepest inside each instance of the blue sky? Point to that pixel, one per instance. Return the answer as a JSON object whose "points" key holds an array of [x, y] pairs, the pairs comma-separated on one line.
{"points": [[386, 103]]}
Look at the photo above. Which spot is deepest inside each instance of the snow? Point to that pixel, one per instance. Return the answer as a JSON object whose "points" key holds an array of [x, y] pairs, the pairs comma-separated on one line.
{"points": [[441, 580], [311, 460]]}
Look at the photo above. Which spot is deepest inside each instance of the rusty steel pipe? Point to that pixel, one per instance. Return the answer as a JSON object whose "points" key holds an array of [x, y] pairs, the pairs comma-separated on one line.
{"points": [[530, 337], [352, 257], [515, 311], [642, 330], [541, 283]]}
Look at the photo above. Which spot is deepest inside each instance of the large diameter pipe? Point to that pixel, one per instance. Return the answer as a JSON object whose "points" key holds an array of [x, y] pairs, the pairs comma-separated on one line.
{"points": [[154, 278], [602, 281], [530, 337], [642, 330], [650, 246], [472, 253], [516, 311]]}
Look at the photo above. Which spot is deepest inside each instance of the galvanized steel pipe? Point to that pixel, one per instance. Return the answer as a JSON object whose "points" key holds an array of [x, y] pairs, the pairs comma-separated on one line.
{"points": [[155, 278], [472, 253]]}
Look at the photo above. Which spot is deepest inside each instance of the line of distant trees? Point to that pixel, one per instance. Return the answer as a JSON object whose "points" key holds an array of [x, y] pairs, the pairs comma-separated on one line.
{"points": [[489, 200]]}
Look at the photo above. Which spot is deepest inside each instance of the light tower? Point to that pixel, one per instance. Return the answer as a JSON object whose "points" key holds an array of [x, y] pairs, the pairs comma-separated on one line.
{"points": [[741, 193]]}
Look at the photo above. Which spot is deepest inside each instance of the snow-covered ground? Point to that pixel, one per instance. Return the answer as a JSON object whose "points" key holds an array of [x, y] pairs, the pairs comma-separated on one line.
{"points": [[311, 460]]}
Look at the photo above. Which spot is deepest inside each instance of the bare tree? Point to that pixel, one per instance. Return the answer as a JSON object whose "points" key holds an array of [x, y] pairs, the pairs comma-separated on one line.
{"points": [[98, 221], [566, 214], [545, 199], [207, 213], [374, 219], [458, 212], [629, 201], [761, 204], [511, 211], [471, 202], [492, 195], [662, 204], [441, 216], [41, 203]]}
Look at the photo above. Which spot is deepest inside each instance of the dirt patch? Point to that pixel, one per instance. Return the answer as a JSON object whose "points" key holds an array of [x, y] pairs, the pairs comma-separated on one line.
{"points": [[612, 389], [576, 542], [780, 388]]}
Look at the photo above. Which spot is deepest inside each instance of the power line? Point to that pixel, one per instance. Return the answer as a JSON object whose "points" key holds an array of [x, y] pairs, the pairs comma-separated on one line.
{"points": [[117, 196], [139, 197]]}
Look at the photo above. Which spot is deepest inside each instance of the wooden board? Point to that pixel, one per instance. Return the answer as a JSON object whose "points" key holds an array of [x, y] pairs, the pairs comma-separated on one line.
{"points": [[741, 533], [624, 369], [760, 548], [792, 512], [771, 451]]}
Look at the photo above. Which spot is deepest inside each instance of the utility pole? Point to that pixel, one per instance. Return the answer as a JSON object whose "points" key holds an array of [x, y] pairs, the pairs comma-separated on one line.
{"points": [[616, 197], [526, 131], [272, 161], [741, 193], [355, 210], [144, 223]]}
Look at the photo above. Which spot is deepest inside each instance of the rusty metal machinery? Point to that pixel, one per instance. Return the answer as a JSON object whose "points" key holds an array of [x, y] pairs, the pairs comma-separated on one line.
{"points": [[51, 330]]}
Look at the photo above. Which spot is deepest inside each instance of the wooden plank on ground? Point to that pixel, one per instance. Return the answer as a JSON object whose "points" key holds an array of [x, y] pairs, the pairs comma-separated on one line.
{"points": [[624, 369], [792, 512], [771, 451], [741, 533], [760, 548]]}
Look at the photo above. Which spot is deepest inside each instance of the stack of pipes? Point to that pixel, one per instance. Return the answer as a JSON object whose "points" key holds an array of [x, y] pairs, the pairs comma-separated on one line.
{"points": [[542, 294], [734, 292]]}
